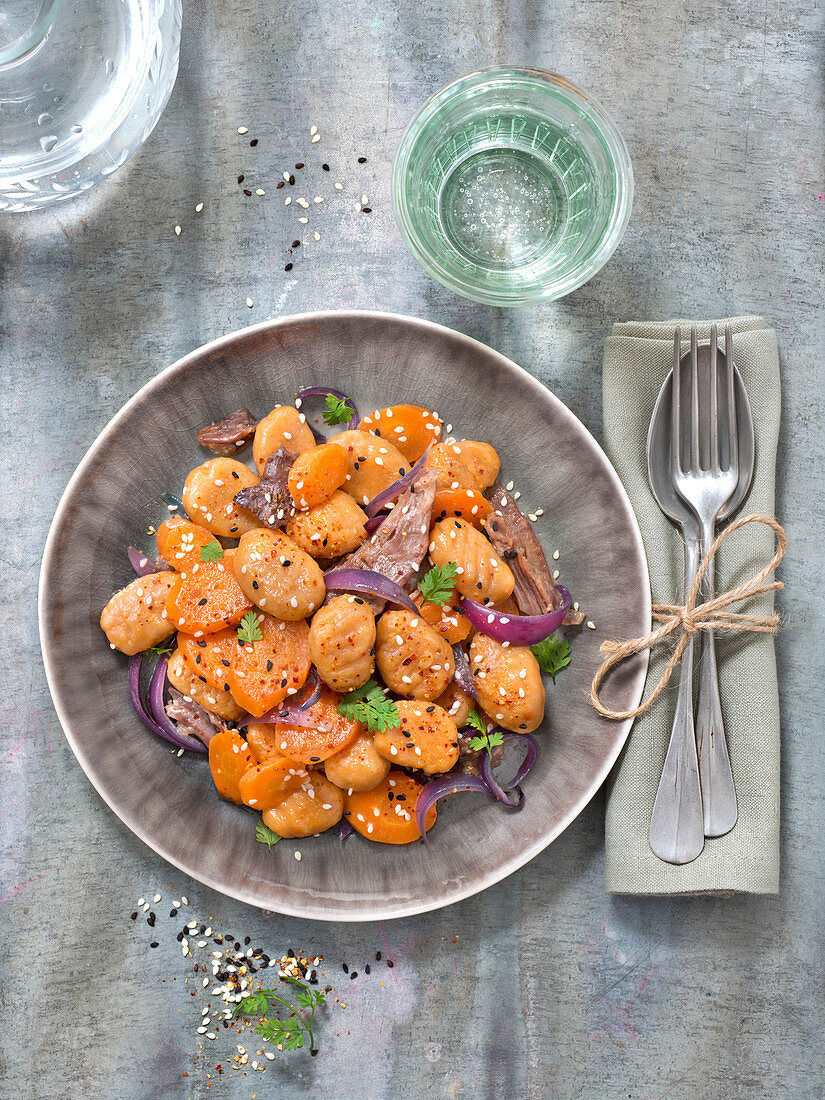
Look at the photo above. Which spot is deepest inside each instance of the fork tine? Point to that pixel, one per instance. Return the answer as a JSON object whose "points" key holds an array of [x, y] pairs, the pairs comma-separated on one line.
{"points": [[714, 402], [675, 395], [694, 401], [733, 422]]}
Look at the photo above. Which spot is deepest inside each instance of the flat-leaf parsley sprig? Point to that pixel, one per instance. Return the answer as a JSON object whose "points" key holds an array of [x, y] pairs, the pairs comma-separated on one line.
{"points": [[370, 706], [212, 551], [250, 629], [487, 740], [438, 583], [290, 1032], [553, 654], [338, 410], [265, 835]]}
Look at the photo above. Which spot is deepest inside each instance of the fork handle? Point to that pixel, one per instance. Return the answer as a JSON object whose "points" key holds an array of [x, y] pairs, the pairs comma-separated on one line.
{"points": [[716, 776], [676, 825]]}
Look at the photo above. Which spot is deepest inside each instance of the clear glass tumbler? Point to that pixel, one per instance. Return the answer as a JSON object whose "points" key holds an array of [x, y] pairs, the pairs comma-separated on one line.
{"points": [[82, 85], [511, 186]]}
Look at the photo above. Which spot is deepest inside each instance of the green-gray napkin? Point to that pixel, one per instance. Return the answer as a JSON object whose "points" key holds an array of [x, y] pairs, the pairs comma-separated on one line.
{"points": [[637, 358]]}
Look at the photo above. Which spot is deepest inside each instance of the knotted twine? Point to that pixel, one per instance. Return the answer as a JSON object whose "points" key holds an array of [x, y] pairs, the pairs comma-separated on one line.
{"points": [[687, 619]]}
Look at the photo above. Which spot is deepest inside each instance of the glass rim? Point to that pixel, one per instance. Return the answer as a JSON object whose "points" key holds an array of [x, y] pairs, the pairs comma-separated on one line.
{"points": [[21, 47], [583, 270]]}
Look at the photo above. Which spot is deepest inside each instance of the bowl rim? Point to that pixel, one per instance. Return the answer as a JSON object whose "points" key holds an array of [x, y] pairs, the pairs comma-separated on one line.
{"points": [[201, 874], [582, 272]]}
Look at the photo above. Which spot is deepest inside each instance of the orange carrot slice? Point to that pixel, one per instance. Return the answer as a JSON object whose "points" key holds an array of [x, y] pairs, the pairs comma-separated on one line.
{"points": [[209, 658], [310, 745], [229, 758], [207, 598], [408, 427], [389, 820], [316, 474], [263, 673], [265, 786], [467, 504], [180, 543]]}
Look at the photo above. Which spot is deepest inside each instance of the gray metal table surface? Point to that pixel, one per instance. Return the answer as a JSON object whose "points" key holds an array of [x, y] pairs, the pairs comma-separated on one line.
{"points": [[543, 986]]}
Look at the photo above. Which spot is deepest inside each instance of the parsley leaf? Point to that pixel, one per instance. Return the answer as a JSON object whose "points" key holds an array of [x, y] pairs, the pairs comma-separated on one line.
{"points": [[369, 706], [250, 630], [438, 583], [253, 1004], [475, 720], [162, 649], [553, 654], [264, 835], [338, 410], [487, 740], [212, 551], [289, 1033]]}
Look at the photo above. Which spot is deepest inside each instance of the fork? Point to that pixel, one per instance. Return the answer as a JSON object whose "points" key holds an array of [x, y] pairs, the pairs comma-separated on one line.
{"points": [[676, 822], [707, 491]]}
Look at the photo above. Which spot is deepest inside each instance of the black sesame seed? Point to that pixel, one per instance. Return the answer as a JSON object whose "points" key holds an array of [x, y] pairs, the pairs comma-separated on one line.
{"points": [[291, 180], [279, 185], [225, 663], [314, 1052], [154, 943], [269, 666], [354, 974], [254, 142], [133, 917], [179, 937], [390, 795], [367, 969], [390, 963], [246, 191], [202, 602], [198, 658], [235, 473], [296, 244], [430, 710], [345, 968], [288, 267], [240, 179], [378, 956], [202, 678], [255, 584], [150, 920], [362, 160], [315, 759], [286, 561], [202, 645], [358, 599], [325, 167], [299, 165], [247, 941], [366, 209]]}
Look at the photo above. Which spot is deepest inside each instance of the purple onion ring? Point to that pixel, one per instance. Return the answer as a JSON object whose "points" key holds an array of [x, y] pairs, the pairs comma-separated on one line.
{"points": [[369, 583], [462, 675], [486, 768], [374, 522], [392, 492], [345, 829], [141, 564], [166, 730], [515, 629], [439, 788]]}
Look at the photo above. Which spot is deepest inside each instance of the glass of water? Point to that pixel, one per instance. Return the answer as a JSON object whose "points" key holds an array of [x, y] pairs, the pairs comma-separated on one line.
{"points": [[512, 186], [82, 84]]}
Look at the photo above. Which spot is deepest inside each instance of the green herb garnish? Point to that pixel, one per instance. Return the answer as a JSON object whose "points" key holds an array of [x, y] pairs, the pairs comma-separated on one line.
{"points": [[288, 1033], [212, 551], [369, 706], [487, 740], [553, 654], [337, 410], [250, 629], [438, 583], [162, 649], [264, 835]]}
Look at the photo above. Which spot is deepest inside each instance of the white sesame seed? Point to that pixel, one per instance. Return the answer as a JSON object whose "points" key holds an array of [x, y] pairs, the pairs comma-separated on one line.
{"points": [[177, 230], [184, 899], [260, 191], [243, 130], [317, 137], [205, 983], [303, 221], [313, 130], [319, 198], [317, 236], [250, 303], [555, 555], [591, 625], [287, 200], [555, 574], [298, 856]]}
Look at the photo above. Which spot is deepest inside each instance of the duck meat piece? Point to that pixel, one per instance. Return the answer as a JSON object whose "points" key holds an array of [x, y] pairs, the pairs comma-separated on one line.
{"points": [[191, 718], [400, 544], [229, 436], [270, 500], [513, 536]]}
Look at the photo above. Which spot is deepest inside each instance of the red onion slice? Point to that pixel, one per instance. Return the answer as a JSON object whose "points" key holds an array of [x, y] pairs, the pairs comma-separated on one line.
{"points": [[374, 522], [439, 788], [292, 711], [516, 629], [312, 689], [462, 675], [486, 767], [371, 584], [392, 492], [141, 564], [166, 730], [327, 391], [345, 829]]}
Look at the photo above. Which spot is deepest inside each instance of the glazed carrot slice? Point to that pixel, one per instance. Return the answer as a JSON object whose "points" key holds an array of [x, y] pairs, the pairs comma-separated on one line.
{"points": [[207, 598], [229, 758], [316, 474], [263, 673], [408, 427], [447, 619], [310, 745], [180, 542], [265, 786], [467, 504], [209, 658], [387, 812]]}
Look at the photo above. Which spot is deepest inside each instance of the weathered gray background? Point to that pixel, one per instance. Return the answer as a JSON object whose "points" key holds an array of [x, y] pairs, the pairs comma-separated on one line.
{"points": [[553, 988]]}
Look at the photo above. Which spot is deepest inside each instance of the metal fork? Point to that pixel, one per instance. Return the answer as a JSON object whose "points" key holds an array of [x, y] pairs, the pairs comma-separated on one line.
{"points": [[676, 826], [706, 491]]}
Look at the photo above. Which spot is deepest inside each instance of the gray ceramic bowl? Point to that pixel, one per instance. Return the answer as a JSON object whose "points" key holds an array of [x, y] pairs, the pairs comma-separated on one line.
{"points": [[149, 446]]}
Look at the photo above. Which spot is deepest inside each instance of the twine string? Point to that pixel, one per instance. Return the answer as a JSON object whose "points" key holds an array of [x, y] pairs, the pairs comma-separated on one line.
{"points": [[684, 621]]}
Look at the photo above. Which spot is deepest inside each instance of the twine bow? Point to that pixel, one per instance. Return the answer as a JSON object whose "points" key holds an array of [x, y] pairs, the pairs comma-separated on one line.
{"points": [[686, 620]]}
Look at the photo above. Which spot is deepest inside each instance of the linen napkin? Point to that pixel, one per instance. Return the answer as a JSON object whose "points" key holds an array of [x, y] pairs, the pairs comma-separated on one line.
{"points": [[637, 357]]}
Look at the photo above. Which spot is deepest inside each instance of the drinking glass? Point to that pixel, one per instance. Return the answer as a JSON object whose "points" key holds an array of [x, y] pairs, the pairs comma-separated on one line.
{"points": [[512, 186], [82, 85]]}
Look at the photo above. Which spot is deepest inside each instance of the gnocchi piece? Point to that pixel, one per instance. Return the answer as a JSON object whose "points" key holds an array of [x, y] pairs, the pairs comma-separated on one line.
{"points": [[426, 738], [282, 426], [374, 464], [330, 529], [208, 497], [316, 474], [135, 618], [482, 575], [342, 642], [215, 700], [467, 464], [509, 684], [456, 703], [413, 659], [278, 576], [358, 767], [313, 808]]}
